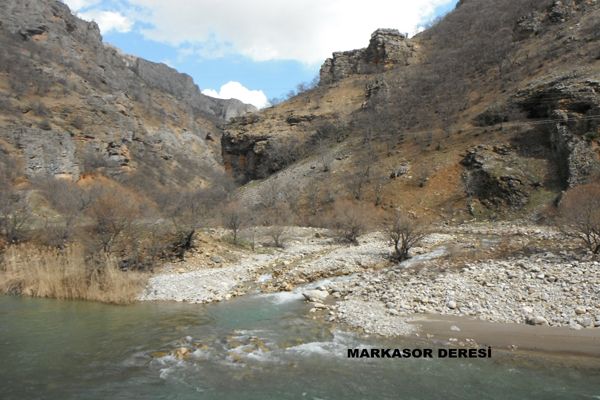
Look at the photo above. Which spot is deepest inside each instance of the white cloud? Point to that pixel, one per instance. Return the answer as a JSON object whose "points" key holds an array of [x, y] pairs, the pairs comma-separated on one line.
{"points": [[303, 30], [235, 90], [108, 20]]}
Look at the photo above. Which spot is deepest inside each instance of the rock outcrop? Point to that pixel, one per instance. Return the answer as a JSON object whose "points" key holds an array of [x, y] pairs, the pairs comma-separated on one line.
{"points": [[387, 48], [498, 176], [566, 110]]}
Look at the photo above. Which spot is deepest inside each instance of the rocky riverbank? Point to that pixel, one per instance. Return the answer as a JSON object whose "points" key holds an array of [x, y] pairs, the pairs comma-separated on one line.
{"points": [[541, 289], [503, 273]]}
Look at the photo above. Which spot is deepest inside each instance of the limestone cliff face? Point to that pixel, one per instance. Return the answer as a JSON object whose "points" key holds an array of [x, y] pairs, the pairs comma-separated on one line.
{"points": [[387, 48], [71, 104]]}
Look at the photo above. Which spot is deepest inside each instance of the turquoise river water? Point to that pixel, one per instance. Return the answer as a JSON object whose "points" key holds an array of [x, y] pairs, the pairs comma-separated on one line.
{"points": [[258, 347]]}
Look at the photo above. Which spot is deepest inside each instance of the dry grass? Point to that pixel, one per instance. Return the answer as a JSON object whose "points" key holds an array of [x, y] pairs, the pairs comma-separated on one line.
{"points": [[63, 274]]}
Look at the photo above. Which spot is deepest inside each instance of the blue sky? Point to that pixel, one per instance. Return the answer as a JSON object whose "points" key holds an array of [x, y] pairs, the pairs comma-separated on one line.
{"points": [[253, 50]]}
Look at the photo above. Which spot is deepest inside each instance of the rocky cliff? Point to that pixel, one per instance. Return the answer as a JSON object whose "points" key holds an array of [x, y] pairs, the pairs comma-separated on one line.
{"points": [[72, 105], [387, 48]]}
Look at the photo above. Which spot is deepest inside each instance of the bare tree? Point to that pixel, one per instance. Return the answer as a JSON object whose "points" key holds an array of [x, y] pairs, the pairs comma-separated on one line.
{"points": [[403, 233], [113, 213], [232, 218], [580, 215]]}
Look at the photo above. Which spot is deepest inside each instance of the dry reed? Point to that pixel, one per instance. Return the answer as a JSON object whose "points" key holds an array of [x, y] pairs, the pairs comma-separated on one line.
{"points": [[63, 274]]}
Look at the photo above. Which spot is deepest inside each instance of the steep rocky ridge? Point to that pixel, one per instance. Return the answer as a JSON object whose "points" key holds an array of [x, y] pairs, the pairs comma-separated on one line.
{"points": [[72, 105]]}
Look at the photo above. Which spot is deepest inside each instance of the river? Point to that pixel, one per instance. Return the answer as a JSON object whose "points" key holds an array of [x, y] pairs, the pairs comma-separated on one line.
{"points": [[256, 347]]}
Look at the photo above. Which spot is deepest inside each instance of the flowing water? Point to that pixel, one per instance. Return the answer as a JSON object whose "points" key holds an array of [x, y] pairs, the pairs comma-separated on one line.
{"points": [[259, 347]]}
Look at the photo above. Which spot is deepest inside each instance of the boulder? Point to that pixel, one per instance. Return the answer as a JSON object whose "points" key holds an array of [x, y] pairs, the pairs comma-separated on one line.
{"points": [[315, 296]]}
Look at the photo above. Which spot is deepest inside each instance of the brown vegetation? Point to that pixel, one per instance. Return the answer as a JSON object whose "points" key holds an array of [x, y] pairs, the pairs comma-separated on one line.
{"points": [[66, 274], [580, 215], [403, 233]]}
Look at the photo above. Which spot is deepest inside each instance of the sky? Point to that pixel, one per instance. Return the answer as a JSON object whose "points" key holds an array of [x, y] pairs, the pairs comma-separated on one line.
{"points": [[252, 50]]}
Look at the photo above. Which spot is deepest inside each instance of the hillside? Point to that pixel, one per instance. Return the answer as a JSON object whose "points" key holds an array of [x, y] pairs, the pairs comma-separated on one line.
{"points": [[491, 112], [73, 106]]}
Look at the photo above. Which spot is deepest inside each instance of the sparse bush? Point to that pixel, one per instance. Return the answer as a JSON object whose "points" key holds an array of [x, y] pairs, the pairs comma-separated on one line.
{"points": [[92, 160], [15, 215], [70, 201], [78, 122], [277, 233], [580, 215], [349, 221], [357, 182], [40, 109], [403, 233]]}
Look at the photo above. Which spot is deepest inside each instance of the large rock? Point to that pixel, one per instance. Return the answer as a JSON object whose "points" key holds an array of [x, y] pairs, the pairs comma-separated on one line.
{"points": [[387, 48], [496, 175], [315, 296]]}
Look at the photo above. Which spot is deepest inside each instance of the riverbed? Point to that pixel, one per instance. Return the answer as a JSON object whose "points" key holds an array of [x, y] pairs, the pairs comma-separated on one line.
{"points": [[254, 347]]}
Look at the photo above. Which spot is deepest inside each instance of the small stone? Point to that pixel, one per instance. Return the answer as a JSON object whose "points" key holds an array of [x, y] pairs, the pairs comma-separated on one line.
{"points": [[451, 304], [455, 328], [574, 325], [537, 320], [580, 310], [586, 322]]}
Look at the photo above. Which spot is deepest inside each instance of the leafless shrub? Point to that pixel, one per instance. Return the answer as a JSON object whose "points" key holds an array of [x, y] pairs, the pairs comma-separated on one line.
{"points": [[580, 215], [15, 215], [40, 109], [403, 233], [113, 214], [70, 201], [357, 181], [78, 122], [92, 160], [277, 218], [349, 221], [277, 234]]}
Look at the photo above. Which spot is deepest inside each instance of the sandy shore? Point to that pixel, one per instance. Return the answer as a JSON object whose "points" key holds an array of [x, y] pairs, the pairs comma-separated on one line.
{"points": [[453, 330]]}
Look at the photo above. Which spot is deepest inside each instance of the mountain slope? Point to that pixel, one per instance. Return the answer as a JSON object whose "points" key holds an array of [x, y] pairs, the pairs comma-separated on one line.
{"points": [[72, 105], [494, 109]]}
